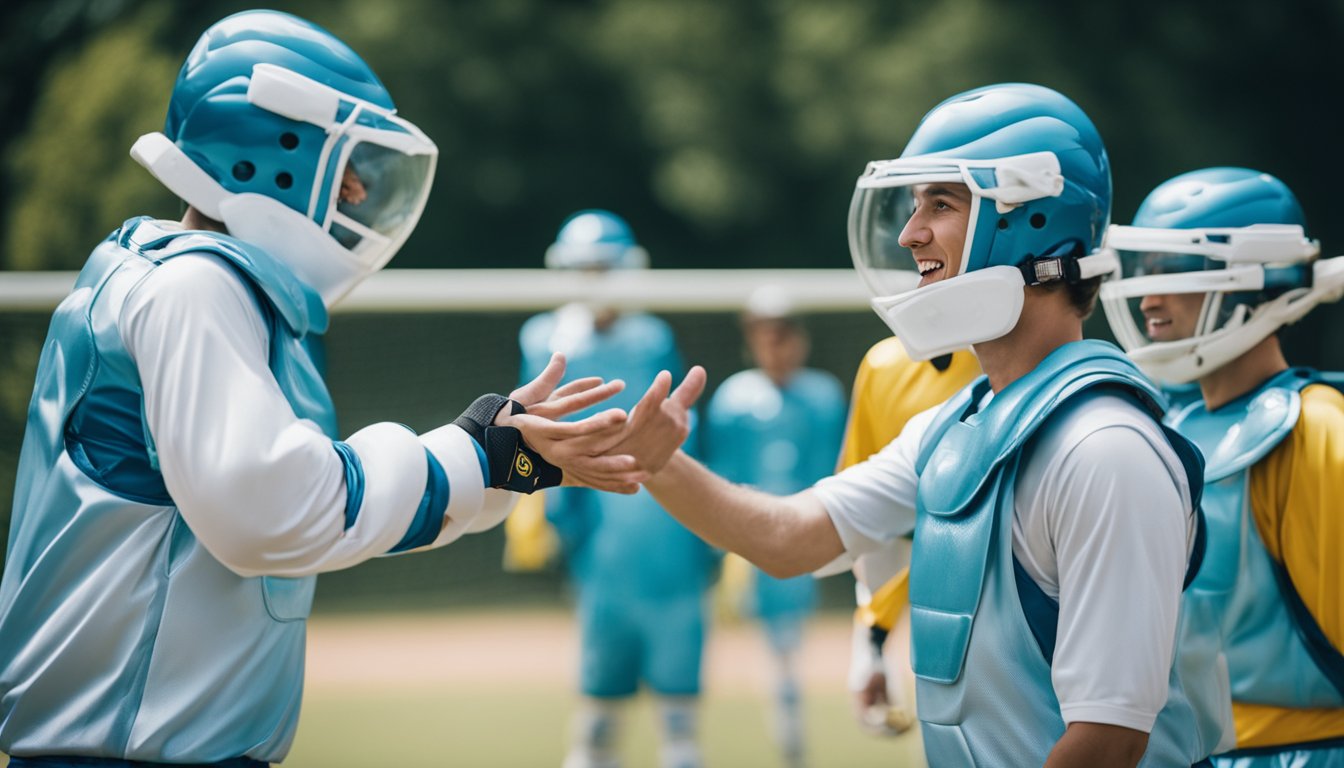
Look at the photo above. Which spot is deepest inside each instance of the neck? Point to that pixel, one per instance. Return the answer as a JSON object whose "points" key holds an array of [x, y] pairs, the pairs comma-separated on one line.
{"points": [[194, 219], [1048, 322], [1244, 374], [779, 376]]}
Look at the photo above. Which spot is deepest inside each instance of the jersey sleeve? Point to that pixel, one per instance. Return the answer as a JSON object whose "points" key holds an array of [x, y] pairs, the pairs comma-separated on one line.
{"points": [[873, 503], [1121, 535], [267, 493], [1297, 497]]}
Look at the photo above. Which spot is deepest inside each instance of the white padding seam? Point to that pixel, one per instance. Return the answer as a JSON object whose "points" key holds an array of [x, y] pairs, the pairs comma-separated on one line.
{"points": [[395, 473], [456, 452]]}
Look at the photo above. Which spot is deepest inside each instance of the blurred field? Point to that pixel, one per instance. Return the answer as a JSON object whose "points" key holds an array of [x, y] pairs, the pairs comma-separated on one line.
{"points": [[495, 689]]}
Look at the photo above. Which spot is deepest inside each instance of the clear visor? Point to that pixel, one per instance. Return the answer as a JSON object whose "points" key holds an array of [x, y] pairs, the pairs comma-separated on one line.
{"points": [[380, 195], [1171, 297], [925, 204], [1168, 295], [891, 193]]}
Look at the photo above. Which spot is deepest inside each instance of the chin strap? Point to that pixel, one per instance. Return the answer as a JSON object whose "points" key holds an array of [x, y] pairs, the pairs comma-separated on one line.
{"points": [[1070, 269], [512, 465]]}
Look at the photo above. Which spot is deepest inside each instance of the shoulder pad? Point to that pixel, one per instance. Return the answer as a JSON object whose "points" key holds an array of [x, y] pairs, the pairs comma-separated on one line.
{"points": [[1241, 433], [299, 306], [962, 449]]}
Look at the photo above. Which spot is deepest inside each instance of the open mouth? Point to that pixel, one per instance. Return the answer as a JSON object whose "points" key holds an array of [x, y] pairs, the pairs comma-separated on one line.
{"points": [[1157, 326], [928, 267]]}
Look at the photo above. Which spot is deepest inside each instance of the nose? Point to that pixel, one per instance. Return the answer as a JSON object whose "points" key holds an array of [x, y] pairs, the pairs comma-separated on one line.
{"points": [[1152, 302], [915, 233]]}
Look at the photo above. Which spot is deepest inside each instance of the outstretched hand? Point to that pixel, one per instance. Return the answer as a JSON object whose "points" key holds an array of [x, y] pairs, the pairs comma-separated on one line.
{"points": [[541, 397], [576, 447], [660, 422]]}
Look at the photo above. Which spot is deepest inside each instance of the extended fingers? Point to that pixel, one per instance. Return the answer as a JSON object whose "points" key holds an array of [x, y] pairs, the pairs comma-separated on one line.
{"points": [[541, 387], [648, 405], [619, 474], [578, 385], [690, 388], [541, 427], [569, 403]]}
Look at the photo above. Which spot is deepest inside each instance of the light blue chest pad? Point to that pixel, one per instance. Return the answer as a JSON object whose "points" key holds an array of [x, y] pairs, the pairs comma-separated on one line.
{"points": [[1241, 589], [960, 468], [982, 634], [103, 414]]}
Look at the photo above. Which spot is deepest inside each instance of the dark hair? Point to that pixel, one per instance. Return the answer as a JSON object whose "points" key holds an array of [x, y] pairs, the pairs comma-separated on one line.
{"points": [[1082, 294]]}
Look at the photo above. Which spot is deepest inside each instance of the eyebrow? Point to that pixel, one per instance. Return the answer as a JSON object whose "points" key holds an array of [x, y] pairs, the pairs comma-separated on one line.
{"points": [[940, 190]]}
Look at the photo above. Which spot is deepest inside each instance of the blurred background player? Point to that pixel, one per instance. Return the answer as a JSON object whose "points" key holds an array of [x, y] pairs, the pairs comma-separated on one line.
{"points": [[889, 388], [776, 427], [1272, 437], [181, 482], [641, 577]]}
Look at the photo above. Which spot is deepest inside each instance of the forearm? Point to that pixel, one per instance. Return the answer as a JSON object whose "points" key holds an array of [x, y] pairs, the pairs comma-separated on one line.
{"points": [[783, 536], [1095, 745], [267, 493]]}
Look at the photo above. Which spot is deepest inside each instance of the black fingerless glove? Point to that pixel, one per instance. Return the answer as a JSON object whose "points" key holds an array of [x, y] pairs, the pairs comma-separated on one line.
{"points": [[512, 465]]}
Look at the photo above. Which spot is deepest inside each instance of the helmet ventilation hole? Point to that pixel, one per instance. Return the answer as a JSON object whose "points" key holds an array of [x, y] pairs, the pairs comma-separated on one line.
{"points": [[289, 140], [243, 170], [1037, 220], [1003, 223], [283, 180]]}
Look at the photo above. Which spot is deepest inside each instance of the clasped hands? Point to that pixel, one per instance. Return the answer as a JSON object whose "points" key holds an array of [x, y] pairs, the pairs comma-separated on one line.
{"points": [[612, 450]]}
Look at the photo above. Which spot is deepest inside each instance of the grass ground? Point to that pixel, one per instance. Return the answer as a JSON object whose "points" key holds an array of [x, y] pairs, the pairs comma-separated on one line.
{"points": [[486, 690]]}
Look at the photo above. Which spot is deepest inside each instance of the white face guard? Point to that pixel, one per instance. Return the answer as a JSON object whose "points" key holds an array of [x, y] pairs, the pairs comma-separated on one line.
{"points": [[973, 305], [1253, 281], [372, 180]]}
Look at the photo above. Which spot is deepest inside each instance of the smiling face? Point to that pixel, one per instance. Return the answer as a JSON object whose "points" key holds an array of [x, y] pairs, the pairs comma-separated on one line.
{"points": [[1171, 316], [936, 231]]}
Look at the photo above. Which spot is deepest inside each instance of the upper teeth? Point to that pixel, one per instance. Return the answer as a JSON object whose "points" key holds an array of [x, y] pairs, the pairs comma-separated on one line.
{"points": [[926, 267]]}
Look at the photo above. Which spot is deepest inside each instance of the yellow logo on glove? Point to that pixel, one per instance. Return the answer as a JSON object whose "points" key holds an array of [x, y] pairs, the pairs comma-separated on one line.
{"points": [[522, 464]]}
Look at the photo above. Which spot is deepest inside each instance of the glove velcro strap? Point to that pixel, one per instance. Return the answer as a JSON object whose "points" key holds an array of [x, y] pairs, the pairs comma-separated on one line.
{"points": [[514, 466], [511, 463], [481, 414]]}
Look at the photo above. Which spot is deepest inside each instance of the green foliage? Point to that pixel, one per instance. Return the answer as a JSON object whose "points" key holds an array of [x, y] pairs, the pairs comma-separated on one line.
{"points": [[728, 133], [72, 177]]}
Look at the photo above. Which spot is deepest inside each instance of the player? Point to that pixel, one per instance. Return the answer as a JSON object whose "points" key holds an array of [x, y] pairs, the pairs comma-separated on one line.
{"points": [[889, 389], [640, 576], [180, 481], [1214, 264], [1036, 639], [777, 427]]}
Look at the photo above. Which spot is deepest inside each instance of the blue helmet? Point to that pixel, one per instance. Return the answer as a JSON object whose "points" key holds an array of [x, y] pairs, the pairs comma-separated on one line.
{"points": [[1219, 197], [1236, 237], [598, 240], [282, 132], [1040, 198]]}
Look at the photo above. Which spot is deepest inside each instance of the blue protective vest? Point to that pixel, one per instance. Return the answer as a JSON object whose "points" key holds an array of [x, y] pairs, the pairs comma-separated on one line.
{"points": [[982, 669], [120, 635], [619, 545], [1246, 592]]}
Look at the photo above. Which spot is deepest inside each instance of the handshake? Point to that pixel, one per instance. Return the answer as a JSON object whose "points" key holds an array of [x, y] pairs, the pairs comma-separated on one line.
{"points": [[527, 448]]}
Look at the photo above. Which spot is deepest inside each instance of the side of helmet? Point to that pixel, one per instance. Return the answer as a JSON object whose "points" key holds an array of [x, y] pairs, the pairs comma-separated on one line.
{"points": [[1039, 186], [1234, 239], [1015, 120], [284, 134], [595, 239], [245, 147], [1219, 197]]}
